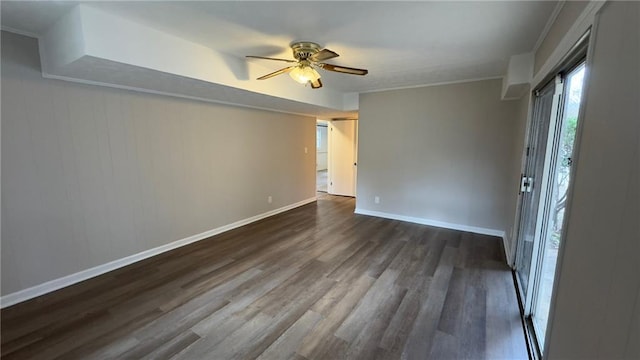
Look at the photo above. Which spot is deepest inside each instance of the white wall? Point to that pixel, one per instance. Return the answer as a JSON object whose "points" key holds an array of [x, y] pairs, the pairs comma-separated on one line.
{"points": [[597, 303], [440, 153], [93, 174]]}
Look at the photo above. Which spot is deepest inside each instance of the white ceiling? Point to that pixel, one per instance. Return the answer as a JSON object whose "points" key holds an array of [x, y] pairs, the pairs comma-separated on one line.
{"points": [[403, 44]]}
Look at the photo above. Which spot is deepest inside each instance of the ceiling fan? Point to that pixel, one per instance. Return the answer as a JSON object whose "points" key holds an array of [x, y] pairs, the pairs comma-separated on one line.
{"points": [[309, 56]]}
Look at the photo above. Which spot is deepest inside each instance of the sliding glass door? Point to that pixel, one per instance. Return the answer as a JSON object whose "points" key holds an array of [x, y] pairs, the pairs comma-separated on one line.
{"points": [[544, 189], [530, 184], [560, 176]]}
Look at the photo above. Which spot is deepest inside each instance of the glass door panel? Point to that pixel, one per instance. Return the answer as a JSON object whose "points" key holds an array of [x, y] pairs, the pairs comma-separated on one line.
{"points": [[530, 184], [560, 177], [544, 188]]}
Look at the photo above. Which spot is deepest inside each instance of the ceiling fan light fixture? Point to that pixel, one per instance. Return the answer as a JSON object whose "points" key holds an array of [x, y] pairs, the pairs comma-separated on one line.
{"points": [[304, 74], [309, 56]]}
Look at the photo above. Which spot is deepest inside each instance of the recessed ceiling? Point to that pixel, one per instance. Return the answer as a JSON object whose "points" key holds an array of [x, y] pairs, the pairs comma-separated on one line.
{"points": [[402, 44]]}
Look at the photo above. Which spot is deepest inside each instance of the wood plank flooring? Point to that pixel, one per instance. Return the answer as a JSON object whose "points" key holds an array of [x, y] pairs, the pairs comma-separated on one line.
{"points": [[316, 282]]}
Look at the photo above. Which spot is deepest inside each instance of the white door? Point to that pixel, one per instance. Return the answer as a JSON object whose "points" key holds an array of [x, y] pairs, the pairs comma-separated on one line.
{"points": [[342, 157]]}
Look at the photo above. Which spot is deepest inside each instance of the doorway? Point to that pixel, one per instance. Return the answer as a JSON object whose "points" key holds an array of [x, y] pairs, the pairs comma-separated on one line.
{"points": [[545, 187], [559, 188], [322, 158], [336, 157]]}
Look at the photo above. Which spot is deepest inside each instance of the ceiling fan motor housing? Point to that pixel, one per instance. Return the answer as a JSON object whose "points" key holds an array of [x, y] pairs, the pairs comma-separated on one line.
{"points": [[304, 49]]}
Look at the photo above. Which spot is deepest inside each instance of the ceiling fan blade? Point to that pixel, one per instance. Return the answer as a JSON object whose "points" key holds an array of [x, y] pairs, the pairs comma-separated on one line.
{"points": [[269, 58], [324, 54], [316, 84], [276, 73], [344, 69]]}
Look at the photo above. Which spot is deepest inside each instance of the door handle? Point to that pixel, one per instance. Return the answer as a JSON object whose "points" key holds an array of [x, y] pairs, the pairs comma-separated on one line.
{"points": [[526, 184]]}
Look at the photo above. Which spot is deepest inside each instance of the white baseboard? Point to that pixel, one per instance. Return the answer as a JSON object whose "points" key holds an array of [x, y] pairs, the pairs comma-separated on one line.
{"points": [[56, 284], [436, 223], [474, 229], [507, 250]]}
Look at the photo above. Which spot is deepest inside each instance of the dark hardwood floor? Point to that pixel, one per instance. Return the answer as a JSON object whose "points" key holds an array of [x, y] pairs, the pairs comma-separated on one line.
{"points": [[316, 282]]}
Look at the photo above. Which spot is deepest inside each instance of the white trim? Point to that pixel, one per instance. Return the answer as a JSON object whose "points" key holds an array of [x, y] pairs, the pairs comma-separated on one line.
{"points": [[548, 25], [577, 30], [53, 285], [434, 84], [430, 222], [473, 229], [507, 250]]}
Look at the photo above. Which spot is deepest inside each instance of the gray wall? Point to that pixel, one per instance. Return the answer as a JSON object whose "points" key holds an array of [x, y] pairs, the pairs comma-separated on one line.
{"points": [[442, 153], [597, 311], [92, 174], [570, 11]]}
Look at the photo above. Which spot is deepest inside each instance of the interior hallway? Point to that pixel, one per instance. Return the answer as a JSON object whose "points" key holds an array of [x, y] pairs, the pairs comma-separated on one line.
{"points": [[322, 180]]}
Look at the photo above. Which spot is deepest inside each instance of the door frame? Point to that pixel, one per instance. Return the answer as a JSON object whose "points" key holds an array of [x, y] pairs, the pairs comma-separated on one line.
{"points": [[580, 53], [325, 123], [542, 205], [585, 53]]}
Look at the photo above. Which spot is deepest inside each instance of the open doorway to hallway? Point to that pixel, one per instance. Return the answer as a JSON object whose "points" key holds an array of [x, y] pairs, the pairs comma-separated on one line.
{"points": [[322, 148], [336, 156]]}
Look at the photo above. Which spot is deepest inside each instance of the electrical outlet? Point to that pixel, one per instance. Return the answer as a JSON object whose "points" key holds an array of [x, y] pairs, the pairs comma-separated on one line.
{"points": [[269, 199], [376, 199], [306, 150]]}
